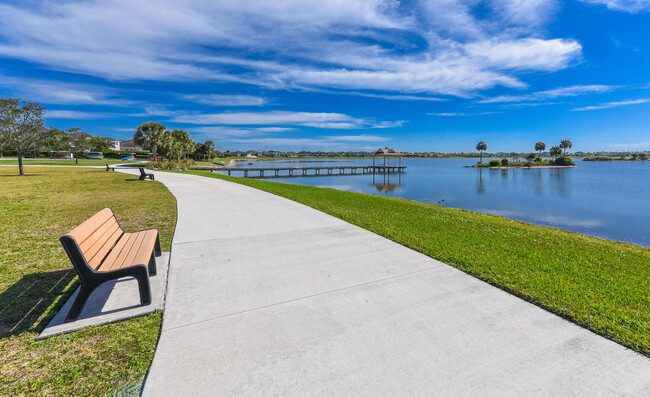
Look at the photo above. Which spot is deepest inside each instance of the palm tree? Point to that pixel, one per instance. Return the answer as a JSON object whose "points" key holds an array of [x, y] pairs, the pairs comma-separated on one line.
{"points": [[565, 144], [540, 147], [208, 147], [555, 151], [481, 146], [149, 134]]}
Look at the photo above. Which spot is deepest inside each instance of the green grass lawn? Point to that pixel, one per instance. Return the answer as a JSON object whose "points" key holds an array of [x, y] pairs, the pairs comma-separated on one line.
{"points": [[36, 278], [599, 284]]}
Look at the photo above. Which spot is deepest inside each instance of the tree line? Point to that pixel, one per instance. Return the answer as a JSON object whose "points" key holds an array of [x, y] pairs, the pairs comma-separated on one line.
{"points": [[23, 131], [174, 144], [555, 151]]}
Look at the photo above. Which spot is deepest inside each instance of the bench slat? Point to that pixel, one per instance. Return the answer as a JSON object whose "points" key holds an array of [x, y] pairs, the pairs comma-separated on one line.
{"points": [[81, 232], [119, 252], [146, 248], [96, 236], [96, 260], [134, 249], [106, 235]]}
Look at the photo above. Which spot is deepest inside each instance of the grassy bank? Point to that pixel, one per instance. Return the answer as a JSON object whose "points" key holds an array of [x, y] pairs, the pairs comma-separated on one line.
{"points": [[599, 284], [37, 278]]}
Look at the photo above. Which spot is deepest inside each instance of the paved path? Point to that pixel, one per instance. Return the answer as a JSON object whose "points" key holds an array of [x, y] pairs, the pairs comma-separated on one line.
{"points": [[269, 297]]}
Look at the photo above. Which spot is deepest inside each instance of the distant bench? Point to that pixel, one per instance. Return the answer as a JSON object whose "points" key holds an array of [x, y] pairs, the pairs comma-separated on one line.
{"points": [[144, 175], [109, 168], [100, 251]]}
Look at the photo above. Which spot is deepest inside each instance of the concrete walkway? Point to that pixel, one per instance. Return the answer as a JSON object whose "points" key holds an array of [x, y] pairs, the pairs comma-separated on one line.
{"points": [[269, 297]]}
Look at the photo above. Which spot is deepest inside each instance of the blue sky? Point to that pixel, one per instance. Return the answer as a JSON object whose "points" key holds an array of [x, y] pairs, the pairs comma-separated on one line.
{"points": [[435, 75]]}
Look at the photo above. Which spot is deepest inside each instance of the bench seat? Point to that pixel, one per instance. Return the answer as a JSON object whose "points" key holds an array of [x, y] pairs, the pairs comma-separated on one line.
{"points": [[100, 251]]}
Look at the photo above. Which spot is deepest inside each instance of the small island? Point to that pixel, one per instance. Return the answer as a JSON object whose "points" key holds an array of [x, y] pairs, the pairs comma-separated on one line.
{"points": [[561, 160]]}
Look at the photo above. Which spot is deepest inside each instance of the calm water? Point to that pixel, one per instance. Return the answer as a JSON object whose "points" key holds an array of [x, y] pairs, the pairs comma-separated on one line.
{"points": [[604, 199]]}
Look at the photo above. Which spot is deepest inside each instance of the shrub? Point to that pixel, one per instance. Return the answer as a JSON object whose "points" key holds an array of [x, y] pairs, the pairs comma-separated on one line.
{"points": [[504, 162], [538, 159], [495, 163], [564, 161]]}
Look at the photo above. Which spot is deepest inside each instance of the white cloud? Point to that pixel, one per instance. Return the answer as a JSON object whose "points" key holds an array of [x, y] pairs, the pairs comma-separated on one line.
{"points": [[632, 6], [226, 100], [250, 118], [612, 105], [574, 90], [422, 47], [76, 115], [284, 118], [358, 138], [60, 93], [460, 114], [526, 54]]}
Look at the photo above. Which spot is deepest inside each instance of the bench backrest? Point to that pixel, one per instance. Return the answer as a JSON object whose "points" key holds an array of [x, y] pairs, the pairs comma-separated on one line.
{"points": [[95, 237], [142, 171]]}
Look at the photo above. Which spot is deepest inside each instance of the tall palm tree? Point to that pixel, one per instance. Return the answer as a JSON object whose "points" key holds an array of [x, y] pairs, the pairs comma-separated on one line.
{"points": [[149, 134], [564, 145], [208, 147], [540, 147], [481, 146], [555, 151]]}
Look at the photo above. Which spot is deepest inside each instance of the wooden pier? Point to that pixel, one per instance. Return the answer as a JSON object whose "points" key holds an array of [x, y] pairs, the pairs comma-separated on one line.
{"points": [[261, 172]]}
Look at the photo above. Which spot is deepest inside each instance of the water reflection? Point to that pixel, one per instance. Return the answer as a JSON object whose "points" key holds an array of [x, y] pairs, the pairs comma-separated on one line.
{"points": [[560, 181], [480, 183], [381, 181]]}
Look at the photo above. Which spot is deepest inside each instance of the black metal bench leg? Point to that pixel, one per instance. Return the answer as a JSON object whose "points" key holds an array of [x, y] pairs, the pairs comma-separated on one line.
{"points": [[141, 274], [152, 265], [157, 249], [79, 302]]}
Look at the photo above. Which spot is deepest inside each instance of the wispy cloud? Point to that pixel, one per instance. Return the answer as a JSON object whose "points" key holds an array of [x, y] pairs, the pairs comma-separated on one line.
{"points": [[226, 100], [76, 115], [460, 114], [612, 105], [632, 6], [283, 118], [297, 44], [574, 90]]}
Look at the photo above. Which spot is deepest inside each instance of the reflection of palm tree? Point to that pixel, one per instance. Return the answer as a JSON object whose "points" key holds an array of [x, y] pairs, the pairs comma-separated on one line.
{"points": [[480, 185]]}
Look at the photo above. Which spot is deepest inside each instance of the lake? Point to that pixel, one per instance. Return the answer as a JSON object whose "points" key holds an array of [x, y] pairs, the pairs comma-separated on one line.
{"points": [[603, 199]]}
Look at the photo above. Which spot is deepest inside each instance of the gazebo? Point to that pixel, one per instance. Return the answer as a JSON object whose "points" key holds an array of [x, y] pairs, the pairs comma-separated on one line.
{"points": [[387, 153]]}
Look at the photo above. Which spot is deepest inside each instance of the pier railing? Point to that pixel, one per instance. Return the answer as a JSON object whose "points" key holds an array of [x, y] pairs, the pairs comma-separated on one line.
{"points": [[261, 172]]}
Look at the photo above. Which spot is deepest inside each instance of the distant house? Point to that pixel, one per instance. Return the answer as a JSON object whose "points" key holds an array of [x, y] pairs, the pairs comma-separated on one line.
{"points": [[292, 154], [251, 154], [130, 145]]}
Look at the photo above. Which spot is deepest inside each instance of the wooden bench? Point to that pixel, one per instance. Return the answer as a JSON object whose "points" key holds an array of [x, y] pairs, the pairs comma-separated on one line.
{"points": [[109, 168], [144, 175], [100, 251]]}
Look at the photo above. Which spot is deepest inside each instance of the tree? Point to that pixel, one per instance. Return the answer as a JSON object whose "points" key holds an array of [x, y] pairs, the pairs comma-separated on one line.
{"points": [[555, 151], [176, 144], [481, 146], [150, 134], [208, 147], [100, 143], [564, 145], [78, 142], [21, 126], [540, 147]]}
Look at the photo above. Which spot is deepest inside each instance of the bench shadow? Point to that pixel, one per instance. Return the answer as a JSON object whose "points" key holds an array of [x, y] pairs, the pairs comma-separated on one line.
{"points": [[30, 303]]}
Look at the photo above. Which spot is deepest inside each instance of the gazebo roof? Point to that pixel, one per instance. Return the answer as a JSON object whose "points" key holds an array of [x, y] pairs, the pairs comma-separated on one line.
{"points": [[386, 151]]}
